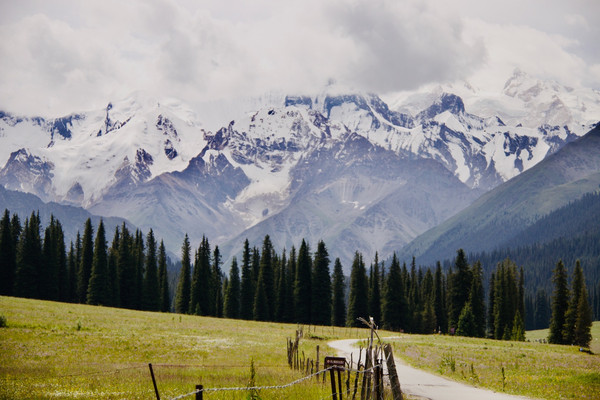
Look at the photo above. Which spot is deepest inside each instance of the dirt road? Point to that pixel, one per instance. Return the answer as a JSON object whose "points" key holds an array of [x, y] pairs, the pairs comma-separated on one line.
{"points": [[425, 385]]}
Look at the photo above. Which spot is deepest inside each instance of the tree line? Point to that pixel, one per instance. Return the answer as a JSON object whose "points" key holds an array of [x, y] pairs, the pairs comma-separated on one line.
{"points": [[295, 286], [131, 273]]}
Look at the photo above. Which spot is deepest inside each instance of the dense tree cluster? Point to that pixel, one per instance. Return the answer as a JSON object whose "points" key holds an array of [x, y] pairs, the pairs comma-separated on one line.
{"points": [[289, 287], [131, 273], [571, 319]]}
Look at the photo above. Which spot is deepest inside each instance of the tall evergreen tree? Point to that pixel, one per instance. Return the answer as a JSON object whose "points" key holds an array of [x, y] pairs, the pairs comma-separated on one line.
{"points": [[577, 283], [217, 278], [560, 304], [126, 269], [282, 289], [394, 300], [85, 264], [459, 288], [303, 285], [72, 273], [267, 281], [138, 259], [375, 291], [151, 290], [477, 300], [232, 296], [29, 257], [114, 288], [439, 302], [61, 260], [8, 256], [247, 285], [338, 300], [163, 279], [491, 306], [291, 280], [48, 269], [357, 299], [182, 296], [97, 293], [321, 287], [202, 300], [583, 323], [429, 322]]}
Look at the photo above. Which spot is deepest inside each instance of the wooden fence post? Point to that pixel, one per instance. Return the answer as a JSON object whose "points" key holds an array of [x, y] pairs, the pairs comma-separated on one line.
{"points": [[154, 382], [394, 381], [199, 393]]}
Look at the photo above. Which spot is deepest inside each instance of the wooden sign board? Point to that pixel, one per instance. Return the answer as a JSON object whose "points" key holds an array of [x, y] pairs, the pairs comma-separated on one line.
{"points": [[336, 362]]}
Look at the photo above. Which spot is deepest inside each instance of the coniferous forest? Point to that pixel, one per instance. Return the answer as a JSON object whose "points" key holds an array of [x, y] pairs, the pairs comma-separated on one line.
{"points": [[300, 285]]}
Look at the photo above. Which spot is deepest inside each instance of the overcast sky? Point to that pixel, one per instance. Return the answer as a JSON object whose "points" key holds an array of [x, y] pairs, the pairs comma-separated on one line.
{"points": [[62, 56]]}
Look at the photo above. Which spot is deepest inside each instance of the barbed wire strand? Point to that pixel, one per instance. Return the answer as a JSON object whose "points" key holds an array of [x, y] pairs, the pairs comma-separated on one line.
{"points": [[297, 381]]}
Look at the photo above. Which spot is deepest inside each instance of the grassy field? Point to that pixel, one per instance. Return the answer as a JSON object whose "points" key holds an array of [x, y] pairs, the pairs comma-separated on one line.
{"points": [[542, 334], [67, 351], [532, 369]]}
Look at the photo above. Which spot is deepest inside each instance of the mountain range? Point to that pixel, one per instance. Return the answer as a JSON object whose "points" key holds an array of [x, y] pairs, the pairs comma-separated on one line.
{"points": [[360, 172]]}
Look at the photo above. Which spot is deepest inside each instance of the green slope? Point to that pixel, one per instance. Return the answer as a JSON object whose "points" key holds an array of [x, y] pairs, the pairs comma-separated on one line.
{"points": [[507, 210]]}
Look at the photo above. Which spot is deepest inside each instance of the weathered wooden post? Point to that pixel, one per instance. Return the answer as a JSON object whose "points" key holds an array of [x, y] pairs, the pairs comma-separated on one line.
{"points": [[154, 382], [199, 392], [394, 381]]}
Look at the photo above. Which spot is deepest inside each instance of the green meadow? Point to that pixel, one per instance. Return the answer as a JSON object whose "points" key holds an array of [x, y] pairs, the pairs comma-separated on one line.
{"points": [[54, 350]]}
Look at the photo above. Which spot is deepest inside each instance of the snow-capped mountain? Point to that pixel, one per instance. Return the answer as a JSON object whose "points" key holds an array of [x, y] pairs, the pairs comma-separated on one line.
{"points": [[348, 168]]}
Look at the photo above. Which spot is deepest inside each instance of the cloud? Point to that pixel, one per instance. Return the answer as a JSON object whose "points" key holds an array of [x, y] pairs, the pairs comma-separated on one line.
{"points": [[65, 56]]}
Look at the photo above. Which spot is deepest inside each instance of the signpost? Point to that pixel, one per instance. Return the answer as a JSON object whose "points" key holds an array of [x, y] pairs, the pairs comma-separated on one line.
{"points": [[336, 364]]}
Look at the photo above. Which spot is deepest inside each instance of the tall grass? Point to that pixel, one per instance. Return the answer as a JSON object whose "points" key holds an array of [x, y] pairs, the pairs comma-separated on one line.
{"points": [[67, 351], [532, 369]]}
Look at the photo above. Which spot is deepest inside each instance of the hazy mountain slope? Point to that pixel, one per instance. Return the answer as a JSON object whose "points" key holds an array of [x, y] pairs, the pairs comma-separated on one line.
{"points": [[358, 196], [507, 210], [71, 218]]}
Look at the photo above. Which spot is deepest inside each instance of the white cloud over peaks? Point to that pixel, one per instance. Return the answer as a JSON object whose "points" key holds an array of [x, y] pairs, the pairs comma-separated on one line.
{"points": [[67, 55]]}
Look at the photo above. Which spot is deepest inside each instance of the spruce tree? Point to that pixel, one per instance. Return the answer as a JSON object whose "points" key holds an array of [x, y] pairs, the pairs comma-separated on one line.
{"points": [[114, 289], [583, 323], [577, 283], [29, 255], [85, 264], [439, 302], [202, 290], [126, 268], [291, 279], [281, 290], [541, 317], [266, 280], [491, 306], [97, 293], [247, 285], [138, 260], [303, 285], [61, 260], [357, 299], [321, 287], [163, 279], [151, 286], [459, 290], [8, 256], [466, 322], [375, 291], [560, 304], [232, 296], [394, 300], [477, 300], [338, 300], [217, 278], [48, 270], [429, 322], [182, 296], [72, 273], [261, 309]]}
